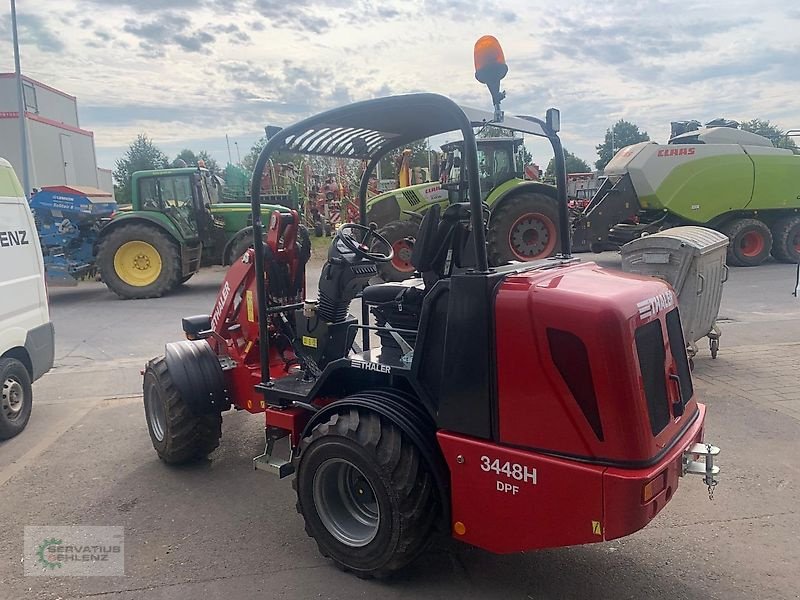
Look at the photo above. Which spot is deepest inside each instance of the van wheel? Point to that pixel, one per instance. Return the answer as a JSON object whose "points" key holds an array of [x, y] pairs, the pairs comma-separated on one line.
{"points": [[139, 261], [750, 242], [786, 240], [16, 397]]}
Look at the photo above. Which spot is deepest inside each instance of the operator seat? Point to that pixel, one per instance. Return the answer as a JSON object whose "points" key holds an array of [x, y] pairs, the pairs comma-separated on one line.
{"points": [[400, 304], [428, 258]]}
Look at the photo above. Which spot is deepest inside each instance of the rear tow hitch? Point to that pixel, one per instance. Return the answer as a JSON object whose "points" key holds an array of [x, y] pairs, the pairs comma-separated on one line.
{"points": [[698, 459]]}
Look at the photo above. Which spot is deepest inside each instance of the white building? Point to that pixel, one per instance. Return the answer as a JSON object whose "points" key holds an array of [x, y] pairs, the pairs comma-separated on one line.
{"points": [[59, 151]]}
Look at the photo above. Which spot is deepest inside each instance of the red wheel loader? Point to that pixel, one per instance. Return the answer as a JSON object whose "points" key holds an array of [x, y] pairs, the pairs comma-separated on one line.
{"points": [[531, 405]]}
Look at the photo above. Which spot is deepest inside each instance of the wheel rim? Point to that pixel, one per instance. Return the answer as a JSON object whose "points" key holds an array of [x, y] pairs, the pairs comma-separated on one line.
{"points": [[346, 502], [402, 256], [137, 263], [532, 236], [13, 398], [157, 413], [751, 244]]}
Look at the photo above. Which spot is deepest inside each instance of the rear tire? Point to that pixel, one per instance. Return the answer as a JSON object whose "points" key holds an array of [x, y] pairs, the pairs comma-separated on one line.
{"points": [[400, 267], [750, 242], [786, 239], [16, 397], [365, 493], [524, 227], [178, 435], [166, 262]]}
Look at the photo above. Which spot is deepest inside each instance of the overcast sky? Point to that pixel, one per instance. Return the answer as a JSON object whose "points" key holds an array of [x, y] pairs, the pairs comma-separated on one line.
{"points": [[187, 72]]}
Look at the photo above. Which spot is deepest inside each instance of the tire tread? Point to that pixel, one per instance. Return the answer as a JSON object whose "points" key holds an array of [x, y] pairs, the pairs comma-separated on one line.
{"points": [[188, 436], [411, 483]]}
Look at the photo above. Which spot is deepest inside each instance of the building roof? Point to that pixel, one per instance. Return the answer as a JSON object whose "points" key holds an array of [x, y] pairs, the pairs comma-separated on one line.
{"points": [[37, 83]]}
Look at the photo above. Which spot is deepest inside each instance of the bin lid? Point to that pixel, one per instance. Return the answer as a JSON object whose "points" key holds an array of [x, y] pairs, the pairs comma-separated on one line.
{"points": [[701, 239]]}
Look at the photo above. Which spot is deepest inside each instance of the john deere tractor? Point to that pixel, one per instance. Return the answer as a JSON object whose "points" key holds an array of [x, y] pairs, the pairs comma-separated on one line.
{"points": [[524, 216], [174, 227]]}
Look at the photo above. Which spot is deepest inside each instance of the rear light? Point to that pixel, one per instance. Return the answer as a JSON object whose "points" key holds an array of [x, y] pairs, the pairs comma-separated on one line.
{"points": [[654, 487]]}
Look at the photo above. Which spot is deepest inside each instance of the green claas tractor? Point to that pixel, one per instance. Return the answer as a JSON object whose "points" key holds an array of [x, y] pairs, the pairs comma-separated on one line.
{"points": [[173, 228], [524, 215]]}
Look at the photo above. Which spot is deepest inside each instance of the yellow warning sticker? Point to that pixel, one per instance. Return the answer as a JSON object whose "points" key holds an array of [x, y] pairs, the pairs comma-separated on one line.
{"points": [[248, 347], [249, 300], [309, 341], [596, 528]]}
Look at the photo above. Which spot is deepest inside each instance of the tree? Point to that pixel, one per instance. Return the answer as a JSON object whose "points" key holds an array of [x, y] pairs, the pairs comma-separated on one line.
{"points": [[192, 159], [574, 165], [622, 134], [419, 158], [772, 132], [142, 155], [249, 161], [211, 163], [187, 156]]}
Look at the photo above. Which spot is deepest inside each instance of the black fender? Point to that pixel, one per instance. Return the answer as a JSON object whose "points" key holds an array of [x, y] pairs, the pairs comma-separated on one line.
{"points": [[407, 413], [242, 233], [197, 375]]}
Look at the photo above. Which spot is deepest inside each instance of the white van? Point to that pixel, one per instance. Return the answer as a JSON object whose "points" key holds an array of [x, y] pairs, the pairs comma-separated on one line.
{"points": [[26, 334]]}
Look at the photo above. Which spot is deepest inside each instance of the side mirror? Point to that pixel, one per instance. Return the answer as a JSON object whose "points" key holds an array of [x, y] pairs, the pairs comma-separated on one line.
{"points": [[553, 119]]}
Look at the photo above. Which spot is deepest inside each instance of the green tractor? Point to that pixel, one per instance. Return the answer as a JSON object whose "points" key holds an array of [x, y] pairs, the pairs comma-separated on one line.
{"points": [[524, 216], [173, 227]]}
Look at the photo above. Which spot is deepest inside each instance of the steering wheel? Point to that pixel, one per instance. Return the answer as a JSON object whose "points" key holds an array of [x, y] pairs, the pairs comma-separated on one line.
{"points": [[360, 245]]}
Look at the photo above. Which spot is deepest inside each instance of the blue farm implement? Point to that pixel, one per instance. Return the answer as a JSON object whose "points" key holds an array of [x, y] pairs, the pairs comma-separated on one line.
{"points": [[69, 220]]}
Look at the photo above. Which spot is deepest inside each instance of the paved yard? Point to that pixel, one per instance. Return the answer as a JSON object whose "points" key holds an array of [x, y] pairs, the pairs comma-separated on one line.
{"points": [[221, 530]]}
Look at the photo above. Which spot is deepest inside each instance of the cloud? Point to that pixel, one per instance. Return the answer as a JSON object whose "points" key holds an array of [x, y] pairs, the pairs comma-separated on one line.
{"points": [[33, 30], [268, 61], [459, 10], [158, 33]]}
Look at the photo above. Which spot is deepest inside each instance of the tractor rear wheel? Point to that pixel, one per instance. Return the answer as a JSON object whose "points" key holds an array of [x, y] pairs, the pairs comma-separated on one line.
{"points": [[178, 435], [524, 228], [139, 261], [365, 493], [16, 397], [397, 233], [786, 240], [750, 242]]}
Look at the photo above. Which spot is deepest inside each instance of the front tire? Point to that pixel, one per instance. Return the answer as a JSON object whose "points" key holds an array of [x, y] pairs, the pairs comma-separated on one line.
{"points": [[524, 228], [397, 233], [16, 397], [178, 435], [139, 261], [365, 493], [786, 239], [750, 242]]}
